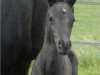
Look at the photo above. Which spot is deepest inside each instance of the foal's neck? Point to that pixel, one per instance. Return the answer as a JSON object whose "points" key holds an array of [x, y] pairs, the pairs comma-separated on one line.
{"points": [[49, 37]]}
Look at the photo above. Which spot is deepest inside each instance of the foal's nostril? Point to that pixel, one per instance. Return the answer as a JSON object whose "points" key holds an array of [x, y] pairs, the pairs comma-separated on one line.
{"points": [[62, 44], [68, 43], [59, 41], [50, 18]]}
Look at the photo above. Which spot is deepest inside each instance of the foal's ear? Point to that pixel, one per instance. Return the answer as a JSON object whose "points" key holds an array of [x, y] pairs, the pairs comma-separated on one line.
{"points": [[71, 2]]}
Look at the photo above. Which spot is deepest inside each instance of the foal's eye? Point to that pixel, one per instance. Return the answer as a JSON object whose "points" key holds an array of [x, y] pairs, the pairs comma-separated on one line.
{"points": [[50, 18]]}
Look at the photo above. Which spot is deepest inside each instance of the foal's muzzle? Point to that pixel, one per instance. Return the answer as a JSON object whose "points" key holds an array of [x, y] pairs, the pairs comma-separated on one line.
{"points": [[64, 47]]}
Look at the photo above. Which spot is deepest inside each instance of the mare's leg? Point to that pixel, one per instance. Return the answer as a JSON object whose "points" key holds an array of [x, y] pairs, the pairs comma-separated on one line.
{"points": [[20, 69], [17, 69]]}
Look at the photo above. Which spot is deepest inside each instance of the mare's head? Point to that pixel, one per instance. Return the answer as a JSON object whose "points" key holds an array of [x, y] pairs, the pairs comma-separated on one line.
{"points": [[60, 20]]}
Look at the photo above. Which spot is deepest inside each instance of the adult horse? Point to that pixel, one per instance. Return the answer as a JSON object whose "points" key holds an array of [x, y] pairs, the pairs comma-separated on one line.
{"points": [[22, 34], [57, 56]]}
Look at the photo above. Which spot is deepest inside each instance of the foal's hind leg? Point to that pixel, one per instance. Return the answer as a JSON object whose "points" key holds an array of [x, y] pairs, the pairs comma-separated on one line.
{"points": [[74, 61]]}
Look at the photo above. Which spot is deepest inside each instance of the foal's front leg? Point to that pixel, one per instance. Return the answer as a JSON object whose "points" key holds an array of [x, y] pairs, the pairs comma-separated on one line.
{"points": [[74, 61], [39, 66]]}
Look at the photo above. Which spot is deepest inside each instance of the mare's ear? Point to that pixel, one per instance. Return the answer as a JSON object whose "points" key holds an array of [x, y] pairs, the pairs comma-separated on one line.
{"points": [[71, 2], [51, 2]]}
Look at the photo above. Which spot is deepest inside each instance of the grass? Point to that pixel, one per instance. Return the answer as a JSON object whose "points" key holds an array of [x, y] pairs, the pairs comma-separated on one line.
{"points": [[89, 59], [86, 29], [30, 68], [87, 25], [90, 0]]}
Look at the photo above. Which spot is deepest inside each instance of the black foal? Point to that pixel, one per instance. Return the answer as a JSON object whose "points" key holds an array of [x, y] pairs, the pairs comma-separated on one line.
{"points": [[57, 56]]}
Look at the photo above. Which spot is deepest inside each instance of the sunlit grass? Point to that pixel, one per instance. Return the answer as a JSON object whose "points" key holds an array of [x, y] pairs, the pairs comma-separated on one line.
{"points": [[86, 29], [89, 59], [90, 0], [30, 68], [87, 25]]}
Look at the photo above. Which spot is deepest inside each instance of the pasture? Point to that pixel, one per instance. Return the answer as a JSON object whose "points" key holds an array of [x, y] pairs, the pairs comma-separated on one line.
{"points": [[86, 29], [90, 0]]}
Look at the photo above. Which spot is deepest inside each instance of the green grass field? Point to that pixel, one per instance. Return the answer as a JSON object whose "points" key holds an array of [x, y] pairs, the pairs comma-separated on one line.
{"points": [[86, 29], [88, 59], [90, 0], [87, 25]]}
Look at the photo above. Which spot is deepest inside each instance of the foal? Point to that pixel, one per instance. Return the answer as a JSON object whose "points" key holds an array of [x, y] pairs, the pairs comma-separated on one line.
{"points": [[56, 56]]}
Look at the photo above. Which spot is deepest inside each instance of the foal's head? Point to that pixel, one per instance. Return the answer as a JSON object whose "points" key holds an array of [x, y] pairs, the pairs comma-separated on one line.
{"points": [[60, 19]]}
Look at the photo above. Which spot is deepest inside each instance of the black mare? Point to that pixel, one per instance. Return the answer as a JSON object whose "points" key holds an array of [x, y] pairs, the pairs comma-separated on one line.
{"points": [[57, 56], [22, 34]]}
